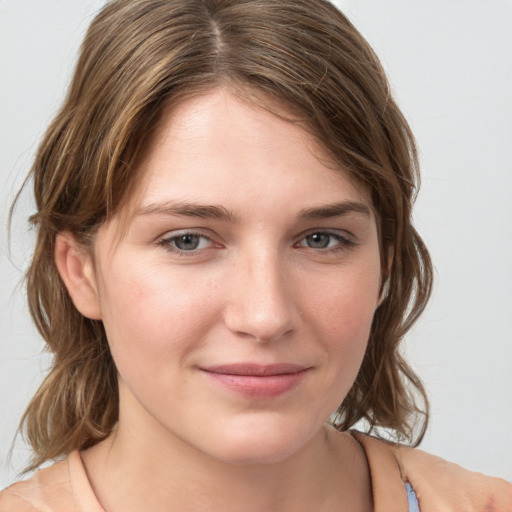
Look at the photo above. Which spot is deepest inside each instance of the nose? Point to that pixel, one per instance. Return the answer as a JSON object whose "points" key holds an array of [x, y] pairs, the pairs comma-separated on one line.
{"points": [[261, 305]]}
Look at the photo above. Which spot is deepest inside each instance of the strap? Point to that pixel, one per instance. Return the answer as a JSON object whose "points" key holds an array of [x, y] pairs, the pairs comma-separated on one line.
{"points": [[412, 499]]}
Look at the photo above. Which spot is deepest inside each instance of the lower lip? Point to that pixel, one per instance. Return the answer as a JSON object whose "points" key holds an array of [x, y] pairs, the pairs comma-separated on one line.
{"points": [[261, 387]]}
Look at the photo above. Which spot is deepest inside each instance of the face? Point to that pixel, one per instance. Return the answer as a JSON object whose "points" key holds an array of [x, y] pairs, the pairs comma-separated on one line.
{"points": [[239, 299]]}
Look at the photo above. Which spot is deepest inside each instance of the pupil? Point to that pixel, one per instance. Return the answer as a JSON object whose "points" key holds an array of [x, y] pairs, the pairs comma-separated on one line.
{"points": [[187, 242], [318, 241]]}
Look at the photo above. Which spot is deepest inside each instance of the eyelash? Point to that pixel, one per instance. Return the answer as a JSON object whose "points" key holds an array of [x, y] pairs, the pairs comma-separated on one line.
{"points": [[166, 243], [343, 244]]}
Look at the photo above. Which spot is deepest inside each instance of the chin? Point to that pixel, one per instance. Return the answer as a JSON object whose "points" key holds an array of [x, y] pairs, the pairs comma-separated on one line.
{"points": [[256, 455], [254, 444]]}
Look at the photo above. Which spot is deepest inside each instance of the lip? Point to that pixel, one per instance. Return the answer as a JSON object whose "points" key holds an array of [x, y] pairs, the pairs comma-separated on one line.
{"points": [[257, 380]]}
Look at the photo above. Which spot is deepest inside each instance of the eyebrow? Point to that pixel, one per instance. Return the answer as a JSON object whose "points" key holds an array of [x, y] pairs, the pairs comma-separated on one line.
{"points": [[219, 212], [335, 210], [202, 211]]}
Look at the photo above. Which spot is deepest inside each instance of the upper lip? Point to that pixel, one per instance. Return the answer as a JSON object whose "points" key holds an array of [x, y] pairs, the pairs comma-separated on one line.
{"points": [[255, 369]]}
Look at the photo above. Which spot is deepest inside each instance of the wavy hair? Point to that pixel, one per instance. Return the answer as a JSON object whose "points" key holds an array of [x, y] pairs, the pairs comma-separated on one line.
{"points": [[141, 56]]}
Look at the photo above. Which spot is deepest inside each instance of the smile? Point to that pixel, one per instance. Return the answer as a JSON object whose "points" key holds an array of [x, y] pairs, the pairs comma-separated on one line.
{"points": [[257, 381]]}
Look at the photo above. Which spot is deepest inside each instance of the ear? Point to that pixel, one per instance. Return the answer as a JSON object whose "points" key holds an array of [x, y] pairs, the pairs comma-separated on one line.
{"points": [[76, 269]]}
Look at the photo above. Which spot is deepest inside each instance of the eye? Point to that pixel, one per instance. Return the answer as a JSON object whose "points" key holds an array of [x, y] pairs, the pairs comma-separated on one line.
{"points": [[325, 240], [186, 242]]}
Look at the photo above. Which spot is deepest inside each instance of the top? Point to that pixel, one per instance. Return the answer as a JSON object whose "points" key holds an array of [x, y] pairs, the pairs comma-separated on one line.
{"points": [[440, 486]]}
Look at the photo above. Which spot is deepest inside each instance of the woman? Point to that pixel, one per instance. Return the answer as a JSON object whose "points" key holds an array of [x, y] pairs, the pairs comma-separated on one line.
{"points": [[225, 260]]}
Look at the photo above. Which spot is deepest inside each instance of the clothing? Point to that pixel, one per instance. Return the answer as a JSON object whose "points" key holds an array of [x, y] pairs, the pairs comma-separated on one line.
{"points": [[440, 486], [412, 499]]}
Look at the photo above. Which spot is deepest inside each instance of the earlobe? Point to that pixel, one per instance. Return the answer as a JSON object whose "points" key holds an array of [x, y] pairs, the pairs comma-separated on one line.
{"points": [[76, 269]]}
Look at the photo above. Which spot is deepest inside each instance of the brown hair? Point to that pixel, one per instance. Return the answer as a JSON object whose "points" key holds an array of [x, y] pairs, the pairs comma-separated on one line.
{"points": [[141, 55]]}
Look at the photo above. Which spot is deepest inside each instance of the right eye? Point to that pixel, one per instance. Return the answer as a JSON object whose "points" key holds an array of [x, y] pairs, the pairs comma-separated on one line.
{"points": [[185, 243]]}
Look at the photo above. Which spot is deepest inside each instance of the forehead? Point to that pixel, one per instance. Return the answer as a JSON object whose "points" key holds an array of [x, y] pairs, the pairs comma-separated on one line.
{"points": [[215, 142]]}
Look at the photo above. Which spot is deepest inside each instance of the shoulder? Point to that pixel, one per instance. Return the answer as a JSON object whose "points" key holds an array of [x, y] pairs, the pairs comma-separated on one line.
{"points": [[440, 483], [62, 487], [34, 494], [440, 486]]}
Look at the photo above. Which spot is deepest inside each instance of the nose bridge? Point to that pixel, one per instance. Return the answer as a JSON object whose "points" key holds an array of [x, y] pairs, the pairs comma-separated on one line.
{"points": [[261, 304]]}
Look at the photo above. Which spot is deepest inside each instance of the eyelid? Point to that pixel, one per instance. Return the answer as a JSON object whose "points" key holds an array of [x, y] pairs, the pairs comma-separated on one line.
{"points": [[174, 233], [343, 233]]}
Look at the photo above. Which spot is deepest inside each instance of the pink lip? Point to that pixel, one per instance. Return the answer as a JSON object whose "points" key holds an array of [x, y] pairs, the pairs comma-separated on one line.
{"points": [[258, 381]]}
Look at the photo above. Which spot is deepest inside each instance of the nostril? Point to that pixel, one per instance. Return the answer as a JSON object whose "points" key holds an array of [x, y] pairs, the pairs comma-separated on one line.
{"points": [[261, 321], [259, 329]]}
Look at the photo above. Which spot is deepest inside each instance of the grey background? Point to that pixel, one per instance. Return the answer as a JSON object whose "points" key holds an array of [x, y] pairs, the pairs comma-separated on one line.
{"points": [[450, 65]]}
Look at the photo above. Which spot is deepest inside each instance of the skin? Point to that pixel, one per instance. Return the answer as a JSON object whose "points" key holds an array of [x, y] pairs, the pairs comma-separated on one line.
{"points": [[279, 275]]}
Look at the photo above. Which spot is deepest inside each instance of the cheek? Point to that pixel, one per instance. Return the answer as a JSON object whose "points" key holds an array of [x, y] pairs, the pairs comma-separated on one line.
{"points": [[151, 315], [345, 303], [337, 309], [342, 314]]}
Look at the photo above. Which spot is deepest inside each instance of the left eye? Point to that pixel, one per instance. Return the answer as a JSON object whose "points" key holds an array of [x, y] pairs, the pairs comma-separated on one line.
{"points": [[186, 242], [322, 240]]}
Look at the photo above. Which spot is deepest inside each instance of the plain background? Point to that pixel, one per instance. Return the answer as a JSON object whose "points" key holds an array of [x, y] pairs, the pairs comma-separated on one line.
{"points": [[450, 66]]}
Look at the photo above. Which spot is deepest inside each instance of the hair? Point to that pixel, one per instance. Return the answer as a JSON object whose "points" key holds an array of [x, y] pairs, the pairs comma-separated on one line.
{"points": [[141, 56]]}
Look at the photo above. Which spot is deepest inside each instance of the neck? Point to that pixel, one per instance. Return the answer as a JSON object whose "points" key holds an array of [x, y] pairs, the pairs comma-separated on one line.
{"points": [[143, 466], [328, 473]]}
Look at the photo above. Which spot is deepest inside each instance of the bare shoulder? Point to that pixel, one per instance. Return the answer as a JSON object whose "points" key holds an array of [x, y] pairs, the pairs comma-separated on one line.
{"points": [[47, 489], [11, 501], [440, 484]]}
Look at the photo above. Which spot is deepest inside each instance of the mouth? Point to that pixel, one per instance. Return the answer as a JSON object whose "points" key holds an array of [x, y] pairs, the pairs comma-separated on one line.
{"points": [[256, 380], [256, 370]]}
